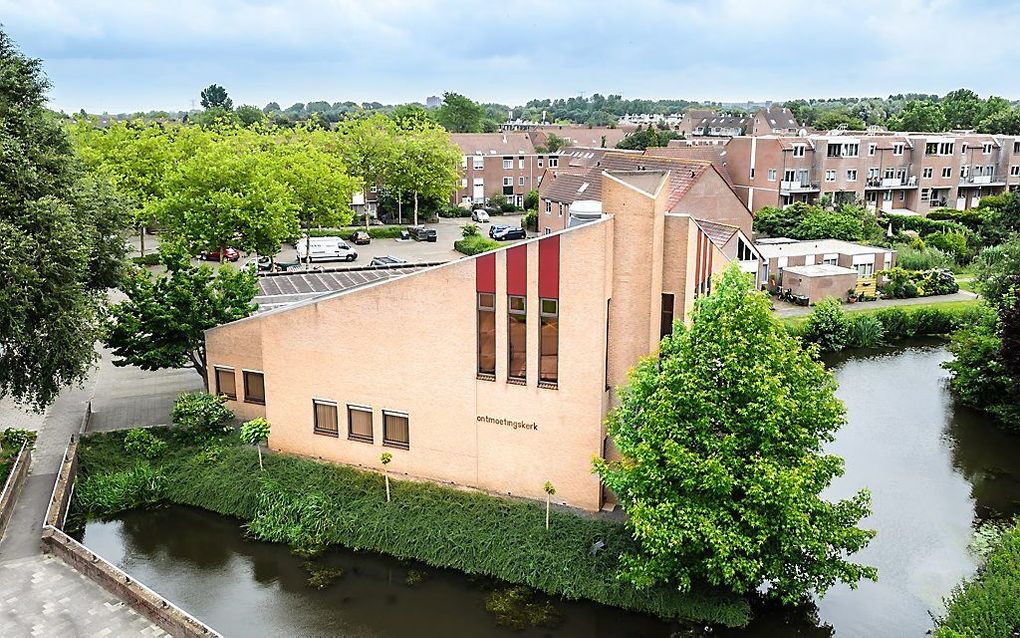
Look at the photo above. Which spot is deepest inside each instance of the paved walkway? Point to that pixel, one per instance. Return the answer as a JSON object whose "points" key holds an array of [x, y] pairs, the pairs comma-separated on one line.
{"points": [[40, 595], [784, 309]]}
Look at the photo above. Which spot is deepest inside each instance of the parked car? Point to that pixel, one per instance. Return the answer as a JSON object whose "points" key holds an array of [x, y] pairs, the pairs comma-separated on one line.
{"points": [[421, 233], [231, 254], [497, 228], [387, 260], [510, 232], [325, 249], [480, 215], [361, 238]]}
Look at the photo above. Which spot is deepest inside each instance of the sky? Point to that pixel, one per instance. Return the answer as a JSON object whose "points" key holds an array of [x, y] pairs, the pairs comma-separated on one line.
{"points": [[135, 55]]}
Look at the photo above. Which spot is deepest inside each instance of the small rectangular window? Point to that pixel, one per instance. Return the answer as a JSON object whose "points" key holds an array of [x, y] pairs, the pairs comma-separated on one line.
{"points": [[549, 342], [666, 319], [897, 149], [508, 163], [395, 430], [554, 162], [947, 171], [479, 162], [325, 418], [926, 173], [359, 423], [798, 150], [520, 180], [517, 334], [254, 387], [225, 383], [487, 334], [772, 175]]}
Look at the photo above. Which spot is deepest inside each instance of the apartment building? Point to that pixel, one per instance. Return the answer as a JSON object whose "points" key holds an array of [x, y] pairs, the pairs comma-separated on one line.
{"points": [[772, 120], [514, 389], [908, 172], [775, 120], [499, 163]]}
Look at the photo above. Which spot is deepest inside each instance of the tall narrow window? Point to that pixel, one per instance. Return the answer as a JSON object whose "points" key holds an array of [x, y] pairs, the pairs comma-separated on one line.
{"points": [[517, 333], [325, 418], [549, 342], [666, 321], [487, 334], [225, 383], [359, 423], [395, 430], [254, 387], [609, 306]]}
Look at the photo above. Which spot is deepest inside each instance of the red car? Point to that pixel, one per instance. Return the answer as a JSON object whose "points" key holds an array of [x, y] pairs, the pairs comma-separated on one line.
{"points": [[231, 254]]}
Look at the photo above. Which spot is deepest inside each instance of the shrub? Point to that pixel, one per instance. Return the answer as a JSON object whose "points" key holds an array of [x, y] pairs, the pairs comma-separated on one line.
{"points": [[531, 200], [828, 326], [475, 244], [866, 331], [12, 439], [501, 202], [108, 494], [530, 221], [152, 259], [141, 442], [202, 414], [952, 243], [469, 230], [453, 211], [924, 258], [900, 283]]}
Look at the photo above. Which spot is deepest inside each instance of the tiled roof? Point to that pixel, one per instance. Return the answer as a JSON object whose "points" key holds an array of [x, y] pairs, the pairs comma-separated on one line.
{"points": [[780, 118], [724, 121], [581, 135], [282, 289], [569, 187], [509, 143], [718, 232], [714, 153]]}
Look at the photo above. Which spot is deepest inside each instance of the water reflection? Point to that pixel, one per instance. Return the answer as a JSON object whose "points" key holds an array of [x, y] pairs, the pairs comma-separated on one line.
{"points": [[933, 469]]}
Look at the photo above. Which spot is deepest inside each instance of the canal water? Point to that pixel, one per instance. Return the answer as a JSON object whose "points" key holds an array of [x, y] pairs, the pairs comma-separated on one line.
{"points": [[934, 470]]}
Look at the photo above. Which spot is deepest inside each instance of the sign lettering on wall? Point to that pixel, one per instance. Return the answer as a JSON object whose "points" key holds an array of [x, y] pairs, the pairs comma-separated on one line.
{"points": [[510, 423]]}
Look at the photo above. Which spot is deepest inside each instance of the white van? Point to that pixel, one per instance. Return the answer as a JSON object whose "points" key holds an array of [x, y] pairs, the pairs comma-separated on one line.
{"points": [[325, 249]]}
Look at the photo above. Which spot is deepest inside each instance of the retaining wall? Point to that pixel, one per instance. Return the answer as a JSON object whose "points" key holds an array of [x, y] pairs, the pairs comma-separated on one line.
{"points": [[12, 487]]}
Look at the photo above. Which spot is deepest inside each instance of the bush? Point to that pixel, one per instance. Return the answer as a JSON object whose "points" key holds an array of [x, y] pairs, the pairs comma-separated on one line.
{"points": [[530, 221], [501, 202], [108, 494], [866, 331], [900, 283], [911, 321], [531, 200], [923, 258], [828, 326], [375, 232], [952, 243], [303, 502], [475, 244], [152, 259], [141, 442], [202, 414], [11, 439], [469, 230], [453, 211]]}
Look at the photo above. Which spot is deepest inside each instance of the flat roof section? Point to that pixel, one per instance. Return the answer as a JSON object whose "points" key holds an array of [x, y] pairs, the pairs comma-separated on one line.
{"points": [[285, 288], [769, 250], [819, 270]]}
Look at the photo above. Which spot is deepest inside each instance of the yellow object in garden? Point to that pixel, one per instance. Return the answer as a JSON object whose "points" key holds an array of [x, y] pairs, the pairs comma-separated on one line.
{"points": [[866, 286]]}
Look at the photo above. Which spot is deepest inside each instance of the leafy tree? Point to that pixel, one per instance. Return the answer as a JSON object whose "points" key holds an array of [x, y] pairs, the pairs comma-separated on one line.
{"points": [[553, 143], [249, 115], [272, 107], [410, 117], [1002, 122], [426, 164], [255, 432], [549, 491], [921, 116], [833, 119], [995, 267], [649, 137], [385, 459], [848, 222], [60, 242], [531, 200], [215, 96], [1001, 217], [828, 326], [202, 414], [721, 436], [367, 148], [460, 114], [962, 108], [162, 322]]}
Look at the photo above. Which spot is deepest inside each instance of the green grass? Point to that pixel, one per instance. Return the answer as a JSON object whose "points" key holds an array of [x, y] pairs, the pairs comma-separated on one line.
{"points": [[987, 606], [310, 504], [5, 469], [953, 308], [475, 244]]}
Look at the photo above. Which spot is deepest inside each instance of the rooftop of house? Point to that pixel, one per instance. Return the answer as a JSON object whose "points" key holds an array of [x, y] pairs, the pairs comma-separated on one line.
{"points": [[780, 118], [782, 247], [285, 288], [508, 143], [819, 270]]}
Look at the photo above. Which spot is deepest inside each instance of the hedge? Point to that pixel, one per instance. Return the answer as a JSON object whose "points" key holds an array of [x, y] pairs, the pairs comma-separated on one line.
{"points": [[375, 232], [308, 503], [926, 226], [475, 244], [987, 605]]}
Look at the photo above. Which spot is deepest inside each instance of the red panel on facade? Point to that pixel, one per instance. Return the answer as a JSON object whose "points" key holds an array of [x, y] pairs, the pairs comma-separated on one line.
{"points": [[549, 267], [485, 273], [517, 270]]}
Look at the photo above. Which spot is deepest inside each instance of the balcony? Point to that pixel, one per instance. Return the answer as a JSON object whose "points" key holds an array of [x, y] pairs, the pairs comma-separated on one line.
{"points": [[981, 180], [891, 182], [797, 186]]}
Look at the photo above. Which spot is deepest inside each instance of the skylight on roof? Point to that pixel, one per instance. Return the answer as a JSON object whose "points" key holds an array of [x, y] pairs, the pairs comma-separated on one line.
{"points": [[583, 187]]}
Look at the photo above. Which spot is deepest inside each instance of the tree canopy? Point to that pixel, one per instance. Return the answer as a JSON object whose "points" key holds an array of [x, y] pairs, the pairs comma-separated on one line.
{"points": [[215, 96], [721, 436], [849, 222], [460, 114]]}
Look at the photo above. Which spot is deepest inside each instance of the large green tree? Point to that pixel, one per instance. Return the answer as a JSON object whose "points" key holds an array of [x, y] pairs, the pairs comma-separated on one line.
{"points": [[367, 146], [721, 436], [426, 164], [460, 114], [962, 108], [920, 115], [60, 242], [162, 322], [215, 96]]}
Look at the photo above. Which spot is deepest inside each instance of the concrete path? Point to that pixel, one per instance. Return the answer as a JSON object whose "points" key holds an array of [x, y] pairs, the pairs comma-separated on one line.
{"points": [[40, 595], [784, 309]]}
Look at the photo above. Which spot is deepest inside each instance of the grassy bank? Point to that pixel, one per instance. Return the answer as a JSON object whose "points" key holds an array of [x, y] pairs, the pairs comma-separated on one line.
{"points": [[901, 322], [309, 505], [987, 606]]}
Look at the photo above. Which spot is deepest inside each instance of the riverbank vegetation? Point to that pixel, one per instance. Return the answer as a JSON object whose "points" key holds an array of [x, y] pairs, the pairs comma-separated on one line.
{"points": [[310, 505], [722, 470]]}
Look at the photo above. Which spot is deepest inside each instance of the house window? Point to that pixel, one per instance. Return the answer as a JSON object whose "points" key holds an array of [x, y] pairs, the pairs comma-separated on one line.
{"points": [[965, 170], [359, 423], [561, 209], [226, 385], [666, 318], [463, 183], [479, 162], [903, 196], [508, 163], [549, 341], [947, 171], [744, 252], [325, 418], [517, 335], [798, 150], [463, 161], [540, 162], [924, 194], [830, 176], [897, 149], [520, 162], [871, 149], [1014, 171], [927, 172], [520, 181], [873, 172], [548, 206], [395, 430], [508, 181], [554, 162], [990, 170], [487, 334], [987, 149], [865, 270], [772, 174], [254, 387], [851, 175]]}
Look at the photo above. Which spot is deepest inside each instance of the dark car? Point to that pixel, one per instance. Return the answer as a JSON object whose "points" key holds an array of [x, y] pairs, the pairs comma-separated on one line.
{"points": [[421, 233], [231, 254], [361, 238], [387, 260], [509, 232], [497, 228]]}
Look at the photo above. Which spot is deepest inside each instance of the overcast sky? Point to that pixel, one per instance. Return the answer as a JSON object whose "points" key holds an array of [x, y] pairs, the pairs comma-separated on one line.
{"points": [[140, 55]]}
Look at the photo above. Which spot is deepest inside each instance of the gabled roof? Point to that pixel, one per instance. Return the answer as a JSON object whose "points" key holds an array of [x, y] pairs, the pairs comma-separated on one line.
{"points": [[282, 289], [509, 143], [718, 232], [780, 118]]}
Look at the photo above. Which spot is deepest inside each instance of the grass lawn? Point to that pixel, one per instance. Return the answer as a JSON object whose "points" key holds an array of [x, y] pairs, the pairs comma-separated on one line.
{"points": [[862, 309]]}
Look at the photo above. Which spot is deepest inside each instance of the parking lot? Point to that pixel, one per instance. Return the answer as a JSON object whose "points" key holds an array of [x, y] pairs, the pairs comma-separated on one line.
{"points": [[447, 232]]}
